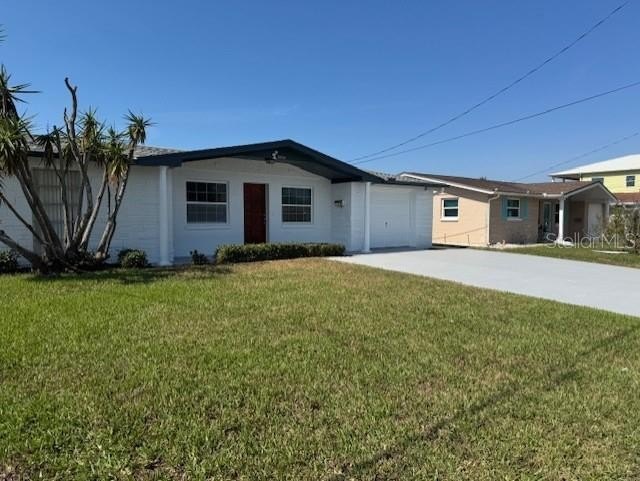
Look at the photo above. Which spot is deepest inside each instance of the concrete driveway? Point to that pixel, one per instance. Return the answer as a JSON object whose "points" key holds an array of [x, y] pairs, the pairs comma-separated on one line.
{"points": [[601, 286]]}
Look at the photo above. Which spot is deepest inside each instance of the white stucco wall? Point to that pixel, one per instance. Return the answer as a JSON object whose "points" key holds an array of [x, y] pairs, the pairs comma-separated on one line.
{"points": [[138, 220], [348, 221], [235, 172], [138, 223]]}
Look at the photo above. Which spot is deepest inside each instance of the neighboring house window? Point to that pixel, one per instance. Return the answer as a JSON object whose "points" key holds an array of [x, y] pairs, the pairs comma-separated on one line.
{"points": [[449, 208], [597, 179], [206, 203], [513, 208], [631, 180], [296, 204]]}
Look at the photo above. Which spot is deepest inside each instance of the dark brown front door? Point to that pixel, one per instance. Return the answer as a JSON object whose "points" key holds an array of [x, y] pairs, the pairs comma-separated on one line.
{"points": [[255, 213]]}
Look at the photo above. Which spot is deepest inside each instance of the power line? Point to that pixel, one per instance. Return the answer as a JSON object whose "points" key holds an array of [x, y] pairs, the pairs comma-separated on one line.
{"points": [[502, 90], [503, 124], [577, 157]]}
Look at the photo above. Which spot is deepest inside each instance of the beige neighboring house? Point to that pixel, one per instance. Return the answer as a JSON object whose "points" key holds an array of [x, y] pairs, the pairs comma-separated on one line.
{"points": [[482, 212]]}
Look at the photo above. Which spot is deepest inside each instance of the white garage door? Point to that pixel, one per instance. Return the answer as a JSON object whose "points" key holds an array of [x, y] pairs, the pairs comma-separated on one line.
{"points": [[391, 217]]}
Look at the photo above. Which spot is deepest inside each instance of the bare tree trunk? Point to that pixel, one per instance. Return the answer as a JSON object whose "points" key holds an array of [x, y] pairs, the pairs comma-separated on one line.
{"points": [[110, 229], [17, 215], [34, 259], [48, 232], [86, 235]]}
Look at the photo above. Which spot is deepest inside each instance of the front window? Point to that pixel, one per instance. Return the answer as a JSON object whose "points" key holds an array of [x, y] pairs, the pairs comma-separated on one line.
{"points": [[556, 216], [513, 208], [206, 203], [296, 204], [449, 208], [631, 180]]}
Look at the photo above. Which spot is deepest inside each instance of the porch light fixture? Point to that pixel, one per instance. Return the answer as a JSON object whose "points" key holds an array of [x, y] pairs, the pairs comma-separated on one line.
{"points": [[338, 203], [275, 156]]}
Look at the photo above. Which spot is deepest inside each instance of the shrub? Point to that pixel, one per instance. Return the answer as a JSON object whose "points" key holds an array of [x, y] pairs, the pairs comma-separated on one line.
{"points": [[133, 259], [122, 253], [265, 252], [198, 258], [8, 262], [87, 261]]}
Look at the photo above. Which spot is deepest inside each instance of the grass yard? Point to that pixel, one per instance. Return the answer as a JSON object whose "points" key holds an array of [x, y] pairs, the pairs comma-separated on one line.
{"points": [[309, 369], [585, 254]]}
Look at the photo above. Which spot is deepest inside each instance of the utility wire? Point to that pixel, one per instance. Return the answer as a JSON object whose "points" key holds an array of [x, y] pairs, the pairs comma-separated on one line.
{"points": [[502, 90], [577, 157], [503, 124]]}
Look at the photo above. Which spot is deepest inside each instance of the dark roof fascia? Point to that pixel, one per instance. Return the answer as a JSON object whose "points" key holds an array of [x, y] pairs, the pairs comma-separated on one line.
{"points": [[412, 184], [177, 159]]}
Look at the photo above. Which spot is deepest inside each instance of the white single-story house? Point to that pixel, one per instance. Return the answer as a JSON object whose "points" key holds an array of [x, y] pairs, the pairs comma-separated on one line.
{"points": [[280, 191]]}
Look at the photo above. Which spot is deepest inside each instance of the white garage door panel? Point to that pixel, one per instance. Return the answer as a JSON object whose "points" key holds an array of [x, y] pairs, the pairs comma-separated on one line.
{"points": [[391, 217]]}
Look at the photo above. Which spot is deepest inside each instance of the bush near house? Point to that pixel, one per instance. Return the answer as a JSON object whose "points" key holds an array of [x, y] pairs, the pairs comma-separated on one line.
{"points": [[8, 262], [133, 259], [198, 258], [233, 253]]}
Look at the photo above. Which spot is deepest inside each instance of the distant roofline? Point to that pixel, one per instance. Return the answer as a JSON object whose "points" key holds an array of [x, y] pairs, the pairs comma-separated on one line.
{"points": [[503, 188], [623, 163]]}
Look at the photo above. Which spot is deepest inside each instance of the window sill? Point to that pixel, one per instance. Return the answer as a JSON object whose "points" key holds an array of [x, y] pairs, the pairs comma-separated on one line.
{"points": [[514, 219], [449, 219], [205, 226], [289, 225]]}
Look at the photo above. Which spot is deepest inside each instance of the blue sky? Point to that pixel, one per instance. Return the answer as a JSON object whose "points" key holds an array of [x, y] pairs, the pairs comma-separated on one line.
{"points": [[347, 78]]}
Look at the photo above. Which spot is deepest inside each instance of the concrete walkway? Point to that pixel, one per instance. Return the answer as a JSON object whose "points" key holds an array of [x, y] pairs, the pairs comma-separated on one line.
{"points": [[601, 286]]}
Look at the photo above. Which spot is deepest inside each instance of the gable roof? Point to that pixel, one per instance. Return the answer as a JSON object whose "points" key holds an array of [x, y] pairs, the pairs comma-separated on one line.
{"points": [[283, 151], [487, 186], [618, 164], [479, 184]]}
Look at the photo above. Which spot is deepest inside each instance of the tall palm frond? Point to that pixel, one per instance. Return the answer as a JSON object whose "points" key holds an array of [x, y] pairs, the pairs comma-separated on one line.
{"points": [[13, 143], [137, 128], [91, 131], [114, 154], [48, 143], [9, 94]]}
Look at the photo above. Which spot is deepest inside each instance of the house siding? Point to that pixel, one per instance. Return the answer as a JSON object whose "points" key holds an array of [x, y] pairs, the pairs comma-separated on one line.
{"points": [[615, 181], [516, 231], [471, 226], [236, 172], [424, 218], [137, 222]]}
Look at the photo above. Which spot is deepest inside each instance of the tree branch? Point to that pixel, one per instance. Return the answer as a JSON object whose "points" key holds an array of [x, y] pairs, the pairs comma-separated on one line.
{"points": [[3, 199]]}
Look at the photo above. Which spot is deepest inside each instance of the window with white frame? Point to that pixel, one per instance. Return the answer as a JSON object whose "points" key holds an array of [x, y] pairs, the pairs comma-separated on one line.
{"points": [[296, 204], [450, 209], [206, 203], [631, 180], [513, 208]]}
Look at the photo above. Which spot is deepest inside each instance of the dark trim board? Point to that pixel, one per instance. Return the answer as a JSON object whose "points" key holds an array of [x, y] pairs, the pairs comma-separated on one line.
{"points": [[284, 151], [279, 151]]}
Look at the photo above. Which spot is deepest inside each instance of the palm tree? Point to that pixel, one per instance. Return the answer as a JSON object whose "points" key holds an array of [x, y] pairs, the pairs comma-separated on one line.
{"points": [[69, 153]]}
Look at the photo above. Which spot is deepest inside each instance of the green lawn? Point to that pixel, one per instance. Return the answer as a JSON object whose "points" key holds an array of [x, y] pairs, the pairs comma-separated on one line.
{"points": [[309, 369], [580, 254]]}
